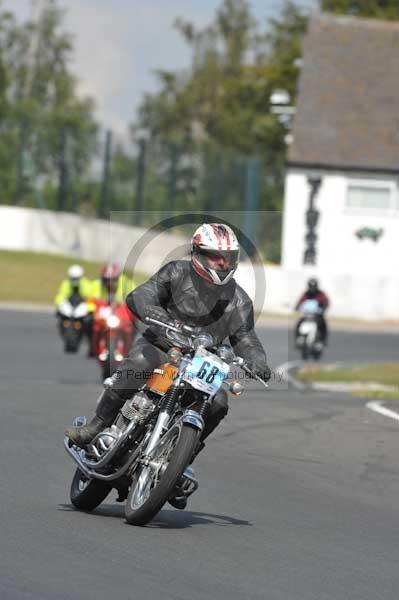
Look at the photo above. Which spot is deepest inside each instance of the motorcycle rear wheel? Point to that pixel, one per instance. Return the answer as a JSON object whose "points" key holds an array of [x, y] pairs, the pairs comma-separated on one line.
{"points": [[140, 513], [88, 494]]}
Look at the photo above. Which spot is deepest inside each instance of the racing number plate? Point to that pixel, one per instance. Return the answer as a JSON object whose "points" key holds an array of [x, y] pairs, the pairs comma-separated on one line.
{"points": [[206, 372]]}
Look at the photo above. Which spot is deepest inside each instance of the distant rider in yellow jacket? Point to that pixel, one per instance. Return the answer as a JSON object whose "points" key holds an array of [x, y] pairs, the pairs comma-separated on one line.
{"points": [[79, 286], [76, 283]]}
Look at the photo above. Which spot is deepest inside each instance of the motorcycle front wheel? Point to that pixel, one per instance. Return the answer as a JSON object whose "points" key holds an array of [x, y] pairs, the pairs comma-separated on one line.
{"points": [[152, 487], [87, 494], [71, 341]]}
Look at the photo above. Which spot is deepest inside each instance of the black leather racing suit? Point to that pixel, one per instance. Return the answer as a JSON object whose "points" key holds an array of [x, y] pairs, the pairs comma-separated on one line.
{"points": [[176, 292]]}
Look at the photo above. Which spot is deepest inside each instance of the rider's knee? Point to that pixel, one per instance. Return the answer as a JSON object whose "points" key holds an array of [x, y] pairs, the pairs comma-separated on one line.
{"points": [[131, 375]]}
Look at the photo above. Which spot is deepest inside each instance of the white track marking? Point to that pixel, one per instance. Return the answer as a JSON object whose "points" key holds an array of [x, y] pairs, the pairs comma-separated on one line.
{"points": [[379, 408], [285, 369]]}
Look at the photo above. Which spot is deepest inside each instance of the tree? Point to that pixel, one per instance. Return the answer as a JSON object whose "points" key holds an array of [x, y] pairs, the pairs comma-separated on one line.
{"points": [[223, 100], [379, 9], [46, 127]]}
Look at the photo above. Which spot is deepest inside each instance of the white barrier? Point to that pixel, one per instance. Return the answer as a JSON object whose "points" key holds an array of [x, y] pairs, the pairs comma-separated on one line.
{"points": [[85, 238], [352, 296]]}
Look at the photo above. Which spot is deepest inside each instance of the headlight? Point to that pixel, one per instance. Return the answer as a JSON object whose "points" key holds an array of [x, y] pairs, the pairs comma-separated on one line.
{"points": [[113, 321]]}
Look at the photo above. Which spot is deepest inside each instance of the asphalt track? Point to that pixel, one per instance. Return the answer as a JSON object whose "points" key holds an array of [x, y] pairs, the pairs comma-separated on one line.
{"points": [[298, 497]]}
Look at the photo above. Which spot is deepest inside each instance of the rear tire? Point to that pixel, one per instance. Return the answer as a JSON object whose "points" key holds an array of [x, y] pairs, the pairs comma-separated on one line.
{"points": [[159, 495], [88, 494]]}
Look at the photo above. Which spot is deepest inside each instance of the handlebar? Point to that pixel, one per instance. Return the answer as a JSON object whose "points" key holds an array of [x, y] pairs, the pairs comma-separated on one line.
{"points": [[183, 328], [238, 360]]}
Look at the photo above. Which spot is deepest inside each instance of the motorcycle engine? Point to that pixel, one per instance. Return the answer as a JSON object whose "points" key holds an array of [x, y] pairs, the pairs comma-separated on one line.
{"points": [[137, 409]]}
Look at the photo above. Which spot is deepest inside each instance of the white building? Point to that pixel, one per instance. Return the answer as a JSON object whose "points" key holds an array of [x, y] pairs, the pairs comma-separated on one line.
{"points": [[346, 133]]}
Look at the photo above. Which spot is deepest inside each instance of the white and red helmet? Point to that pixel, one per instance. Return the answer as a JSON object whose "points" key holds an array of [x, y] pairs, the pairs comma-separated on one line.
{"points": [[110, 274], [210, 242]]}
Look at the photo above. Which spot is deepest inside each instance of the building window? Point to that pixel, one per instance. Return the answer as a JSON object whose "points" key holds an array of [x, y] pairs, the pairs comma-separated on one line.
{"points": [[369, 197]]}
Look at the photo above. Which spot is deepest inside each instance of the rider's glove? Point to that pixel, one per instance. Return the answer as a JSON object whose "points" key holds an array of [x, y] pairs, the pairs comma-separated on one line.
{"points": [[157, 313], [264, 373], [188, 328]]}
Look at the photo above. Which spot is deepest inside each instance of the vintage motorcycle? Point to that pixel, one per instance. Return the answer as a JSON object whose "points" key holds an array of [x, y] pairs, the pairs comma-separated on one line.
{"points": [[112, 335], [145, 454], [308, 339], [72, 314]]}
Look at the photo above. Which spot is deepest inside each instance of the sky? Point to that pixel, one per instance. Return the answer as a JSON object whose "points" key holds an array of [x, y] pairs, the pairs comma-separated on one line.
{"points": [[120, 43]]}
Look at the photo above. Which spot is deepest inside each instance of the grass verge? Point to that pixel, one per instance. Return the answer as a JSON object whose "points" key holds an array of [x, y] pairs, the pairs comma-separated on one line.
{"points": [[34, 277], [385, 374]]}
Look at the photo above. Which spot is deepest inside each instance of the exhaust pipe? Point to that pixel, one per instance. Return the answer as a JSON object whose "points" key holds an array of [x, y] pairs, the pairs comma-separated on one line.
{"points": [[92, 474]]}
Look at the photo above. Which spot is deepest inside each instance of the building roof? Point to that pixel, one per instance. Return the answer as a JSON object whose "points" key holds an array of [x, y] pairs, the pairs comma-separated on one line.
{"points": [[348, 96]]}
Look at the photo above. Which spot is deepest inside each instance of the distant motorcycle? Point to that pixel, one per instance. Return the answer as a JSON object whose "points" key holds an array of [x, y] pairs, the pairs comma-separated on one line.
{"points": [[112, 335], [308, 339], [72, 314]]}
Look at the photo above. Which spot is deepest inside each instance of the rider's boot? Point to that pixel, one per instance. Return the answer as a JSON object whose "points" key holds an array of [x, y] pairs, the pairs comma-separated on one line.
{"points": [[106, 411], [179, 500], [186, 486]]}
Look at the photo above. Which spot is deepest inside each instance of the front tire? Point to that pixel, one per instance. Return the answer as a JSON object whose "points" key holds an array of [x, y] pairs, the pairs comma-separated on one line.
{"points": [[88, 494], [139, 510], [71, 342]]}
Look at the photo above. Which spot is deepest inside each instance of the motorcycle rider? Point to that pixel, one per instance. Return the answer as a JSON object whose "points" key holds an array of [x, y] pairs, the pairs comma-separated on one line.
{"points": [[313, 292], [200, 293], [113, 285], [75, 285]]}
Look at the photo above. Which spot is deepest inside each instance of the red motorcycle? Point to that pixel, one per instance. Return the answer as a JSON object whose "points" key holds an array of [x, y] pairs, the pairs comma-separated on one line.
{"points": [[112, 335]]}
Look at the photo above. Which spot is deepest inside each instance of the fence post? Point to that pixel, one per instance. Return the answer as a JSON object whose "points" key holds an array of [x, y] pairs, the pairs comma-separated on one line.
{"points": [[138, 197], [103, 204], [62, 171], [174, 157], [251, 198]]}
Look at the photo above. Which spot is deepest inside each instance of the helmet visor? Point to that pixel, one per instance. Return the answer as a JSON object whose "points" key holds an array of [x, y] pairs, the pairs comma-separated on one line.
{"points": [[221, 262]]}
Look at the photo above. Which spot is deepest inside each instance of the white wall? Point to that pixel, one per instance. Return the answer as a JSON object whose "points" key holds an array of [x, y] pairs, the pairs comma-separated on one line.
{"points": [[352, 296], [339, 251], [365, 294], [361, 276], [85, 238]]}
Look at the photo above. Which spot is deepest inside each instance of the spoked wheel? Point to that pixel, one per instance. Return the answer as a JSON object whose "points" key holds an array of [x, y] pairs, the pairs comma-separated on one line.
{"points": [[154, 483], [87, 494]]}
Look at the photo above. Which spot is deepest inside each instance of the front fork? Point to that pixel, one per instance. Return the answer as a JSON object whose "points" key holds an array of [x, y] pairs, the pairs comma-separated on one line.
{"points": [[167, 409], [193, 418]]}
